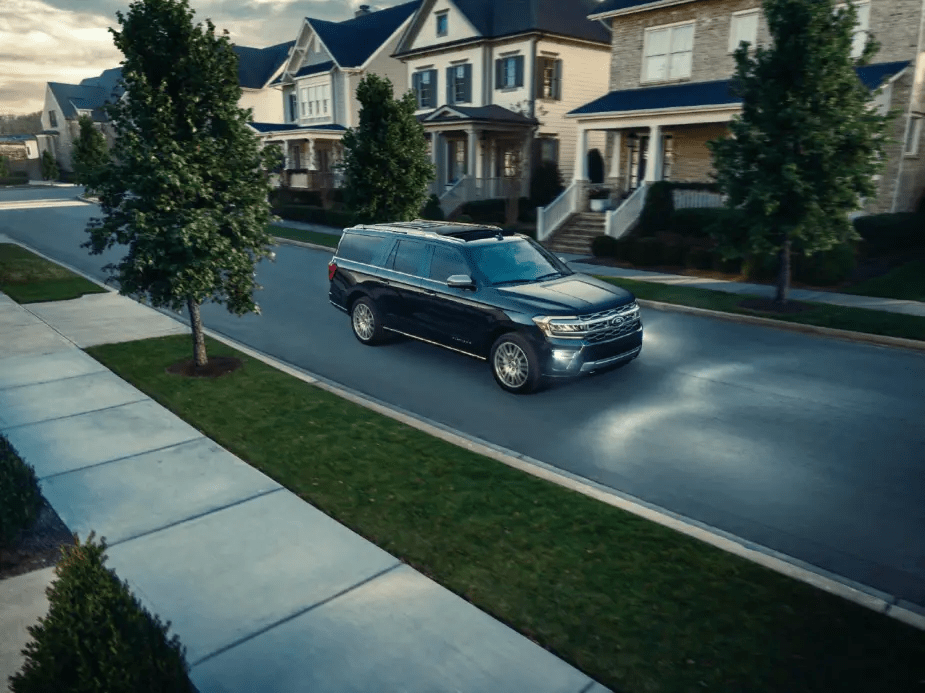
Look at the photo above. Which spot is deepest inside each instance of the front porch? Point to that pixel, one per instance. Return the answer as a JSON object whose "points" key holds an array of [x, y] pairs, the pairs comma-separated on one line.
{"points": [[310, 154]]}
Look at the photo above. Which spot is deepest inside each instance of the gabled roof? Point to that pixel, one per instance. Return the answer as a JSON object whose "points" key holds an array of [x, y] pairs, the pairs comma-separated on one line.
{"points": [[86, 97], [608, 6], [492, 113], [494, 19], [703, 94], [318, 68], [352, 42], [257, 66], [279, 127]]}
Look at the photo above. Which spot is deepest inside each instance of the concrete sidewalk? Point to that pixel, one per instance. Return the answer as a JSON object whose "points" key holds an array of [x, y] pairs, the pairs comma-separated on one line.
{"points": [[267, 593]]}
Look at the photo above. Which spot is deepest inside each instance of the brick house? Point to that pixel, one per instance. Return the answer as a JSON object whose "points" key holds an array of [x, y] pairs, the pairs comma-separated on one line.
{"points": [[671, 64]]}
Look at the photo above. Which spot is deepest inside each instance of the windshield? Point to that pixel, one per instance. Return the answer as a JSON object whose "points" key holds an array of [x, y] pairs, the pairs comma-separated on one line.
{"points": [[516, 261]]}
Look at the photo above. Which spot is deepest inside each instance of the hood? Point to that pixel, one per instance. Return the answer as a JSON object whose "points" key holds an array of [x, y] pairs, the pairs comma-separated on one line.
{"points": [[575, 294]]}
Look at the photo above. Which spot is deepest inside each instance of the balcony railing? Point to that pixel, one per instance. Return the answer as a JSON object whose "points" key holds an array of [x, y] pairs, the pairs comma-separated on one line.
{"points": [[553, 215]]}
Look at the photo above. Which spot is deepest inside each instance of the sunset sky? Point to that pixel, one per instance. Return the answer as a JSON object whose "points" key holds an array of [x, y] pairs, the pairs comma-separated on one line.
{"points": [[67, 40]]}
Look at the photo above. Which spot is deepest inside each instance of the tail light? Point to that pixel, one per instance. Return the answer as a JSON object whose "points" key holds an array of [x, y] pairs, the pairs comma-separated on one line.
{"points": [[332, 268]]}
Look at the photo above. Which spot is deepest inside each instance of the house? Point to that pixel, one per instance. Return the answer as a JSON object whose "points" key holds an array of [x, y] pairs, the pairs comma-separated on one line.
{"points": [[494, 82], [66, 103], [671, 65], [23, 153], [319, 82]]}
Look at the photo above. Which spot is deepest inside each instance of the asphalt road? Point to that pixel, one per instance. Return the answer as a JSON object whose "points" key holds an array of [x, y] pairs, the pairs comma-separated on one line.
{"points": [[809, 446]]}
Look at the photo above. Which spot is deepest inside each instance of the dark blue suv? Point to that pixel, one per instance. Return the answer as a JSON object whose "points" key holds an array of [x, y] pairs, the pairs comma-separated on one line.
{"points": [[492, 294]]}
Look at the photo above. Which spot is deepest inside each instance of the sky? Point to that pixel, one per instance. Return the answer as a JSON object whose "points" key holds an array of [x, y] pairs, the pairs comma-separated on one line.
{"points": [[68, 40]]}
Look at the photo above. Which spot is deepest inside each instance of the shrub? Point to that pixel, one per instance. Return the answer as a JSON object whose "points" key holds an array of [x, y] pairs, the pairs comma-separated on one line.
{"points": [[625, 249], [50, 170], [4, 167], [432, 209], [595, 166], [546, 184], [649, 252], [464, 219], [673, 254], [720, 264], [294, 196], [827, 268], [658, 209], [604, 246], [696, 222], [317, 215], [891, 234], [16, 178], [20, 498], [698, 258], [493, 211], [97, 636], [760, 266]]}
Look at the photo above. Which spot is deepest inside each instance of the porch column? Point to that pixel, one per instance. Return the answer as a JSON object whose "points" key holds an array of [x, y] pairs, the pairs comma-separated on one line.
{"points": [[436, 154], [471, 151], [310, 155], [581, 155], [654, 154], [614, 171]]}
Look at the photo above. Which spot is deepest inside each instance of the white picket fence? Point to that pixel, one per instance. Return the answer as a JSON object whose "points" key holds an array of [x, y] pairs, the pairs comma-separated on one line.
{"points": [[686, 199]]}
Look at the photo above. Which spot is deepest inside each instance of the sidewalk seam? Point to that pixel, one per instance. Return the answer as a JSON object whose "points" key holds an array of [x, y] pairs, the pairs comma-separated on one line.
{"points": [[300, 612], [57, 380], [80, 413], [120, 459]]}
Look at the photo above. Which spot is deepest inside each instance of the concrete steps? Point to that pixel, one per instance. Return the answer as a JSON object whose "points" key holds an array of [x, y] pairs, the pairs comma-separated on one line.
{"points": [[577, 233]]}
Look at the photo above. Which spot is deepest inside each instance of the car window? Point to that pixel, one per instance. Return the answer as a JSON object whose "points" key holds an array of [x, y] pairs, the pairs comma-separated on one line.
{"points": [[446, 262], [407, 256], [359, 247], [516, 260]]}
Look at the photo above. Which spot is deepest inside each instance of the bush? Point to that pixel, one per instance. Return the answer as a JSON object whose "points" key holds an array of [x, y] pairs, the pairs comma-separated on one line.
{"points": [[760, 266], [432, 209], [317, 215], [546, 184], [4, 167], [493, 211], [891, 234], [97, 636], [294, 196], [604, 246], [20, 498], [698, 222], [50, 170], [464, 219], [15, 179], [649, 252], [673, 254], [729, 266], [595, 166], [625, 249], [698, 257], [658, 210], [827, 268]]}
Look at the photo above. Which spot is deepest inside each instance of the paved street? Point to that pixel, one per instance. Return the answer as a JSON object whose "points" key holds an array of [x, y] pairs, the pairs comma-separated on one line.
{"points": [[809, 446]]}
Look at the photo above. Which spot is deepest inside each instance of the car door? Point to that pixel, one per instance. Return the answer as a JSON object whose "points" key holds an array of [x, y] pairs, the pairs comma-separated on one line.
{"points": [[453, 317], [403, 271]]}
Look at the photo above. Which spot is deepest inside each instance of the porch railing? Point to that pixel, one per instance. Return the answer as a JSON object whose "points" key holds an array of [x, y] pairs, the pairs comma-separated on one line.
{"points": [[685, 199], [619, 221], [314, 180], [455, 195], [553, 215]]}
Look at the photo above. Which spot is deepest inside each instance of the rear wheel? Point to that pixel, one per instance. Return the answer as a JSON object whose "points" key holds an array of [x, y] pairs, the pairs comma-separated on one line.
{"points": [[366, 321], [515, 365]]}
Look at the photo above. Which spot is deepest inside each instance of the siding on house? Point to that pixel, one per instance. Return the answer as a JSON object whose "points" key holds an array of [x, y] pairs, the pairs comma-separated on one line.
{"points": [[266, 104], [458, 26]]}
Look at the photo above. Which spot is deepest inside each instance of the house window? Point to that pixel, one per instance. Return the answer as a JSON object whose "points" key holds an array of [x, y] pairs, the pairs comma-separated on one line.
{"points": [[306, 105], [549, 78], [549, 149], [913, 132], [443, 24], [53, 118], [667, 157], [293, 107], [424, 84], [668, 52], [863, 27], [509, 72], [459, 84], [457, 160], [743, 26], [510, 163]]}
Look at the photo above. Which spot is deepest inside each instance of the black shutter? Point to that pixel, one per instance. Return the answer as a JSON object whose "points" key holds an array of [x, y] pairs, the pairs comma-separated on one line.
{"points": [[538, 78], [449, 86], [467, 76], [432, 99], [557, 82], [416, 86], [499, 67], [293, 106], [520, 71]]}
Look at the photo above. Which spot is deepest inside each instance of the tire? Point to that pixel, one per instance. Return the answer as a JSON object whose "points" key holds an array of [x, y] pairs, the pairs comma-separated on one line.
{"points": [[515, 365], [366, 322]]}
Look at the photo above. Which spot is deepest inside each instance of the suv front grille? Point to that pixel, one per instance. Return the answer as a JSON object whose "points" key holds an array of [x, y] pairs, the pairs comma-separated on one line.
{"points": [[621, 330], [605, 330]]}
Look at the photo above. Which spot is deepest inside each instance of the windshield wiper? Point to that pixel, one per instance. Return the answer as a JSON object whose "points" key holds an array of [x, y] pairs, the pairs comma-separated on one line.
{"points": [[551, 275], [512, 281]]}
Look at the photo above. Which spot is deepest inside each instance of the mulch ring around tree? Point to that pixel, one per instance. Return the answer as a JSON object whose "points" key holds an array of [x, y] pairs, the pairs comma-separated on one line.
{"points": [[768, 306], [38, 547], [215, 367]]}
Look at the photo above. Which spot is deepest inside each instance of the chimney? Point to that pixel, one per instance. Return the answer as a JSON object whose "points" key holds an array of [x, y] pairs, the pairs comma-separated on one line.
{"points": [[363, 9]]}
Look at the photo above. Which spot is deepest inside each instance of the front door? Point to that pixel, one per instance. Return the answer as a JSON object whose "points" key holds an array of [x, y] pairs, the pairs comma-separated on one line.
{"points": [[456, 160]]}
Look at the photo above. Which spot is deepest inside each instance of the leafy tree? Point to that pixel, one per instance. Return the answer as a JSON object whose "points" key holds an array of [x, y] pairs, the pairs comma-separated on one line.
{"points": [[387, 169], [26, 124], [91, 154], [808, 140], [4, 167], [49, 166], [187, 190], [546, 184]]}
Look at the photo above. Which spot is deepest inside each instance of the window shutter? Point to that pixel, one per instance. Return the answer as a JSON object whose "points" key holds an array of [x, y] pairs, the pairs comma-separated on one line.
{"points": [[555, 150], [449, 86], [498, 76], [468, 78], [519, 70], [557, 90], [432, 93]]}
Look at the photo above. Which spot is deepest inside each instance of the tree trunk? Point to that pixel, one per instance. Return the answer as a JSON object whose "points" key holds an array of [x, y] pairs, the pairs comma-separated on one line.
{"points": [[199, 339], [783, 276]]}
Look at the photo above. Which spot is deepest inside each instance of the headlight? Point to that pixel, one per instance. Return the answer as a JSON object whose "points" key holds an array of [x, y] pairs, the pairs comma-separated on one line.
{"points": [[561, 327]]}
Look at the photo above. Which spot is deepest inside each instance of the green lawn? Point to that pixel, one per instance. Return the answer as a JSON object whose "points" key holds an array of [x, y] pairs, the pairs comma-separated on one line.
{"points": [[904, 282], [857, 319], [633, 604], [318, 237], [27, 278]]}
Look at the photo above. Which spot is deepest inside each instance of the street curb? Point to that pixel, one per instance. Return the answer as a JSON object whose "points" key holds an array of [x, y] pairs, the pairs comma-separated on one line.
{"points": [[849, 335], [849, 590]]}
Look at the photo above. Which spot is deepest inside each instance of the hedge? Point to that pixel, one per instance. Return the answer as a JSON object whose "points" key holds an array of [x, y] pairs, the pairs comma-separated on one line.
{"points": [[293, 196], [15, 179], [20, 498], [316, 215], [891, 234], [493, 211]]}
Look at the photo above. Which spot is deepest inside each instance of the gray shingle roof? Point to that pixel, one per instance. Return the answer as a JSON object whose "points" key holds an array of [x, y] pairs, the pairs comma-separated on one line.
{"points": [[614, 5], [715, 93], [278, 127], [257, 65], [492, 113], [353, 41]]}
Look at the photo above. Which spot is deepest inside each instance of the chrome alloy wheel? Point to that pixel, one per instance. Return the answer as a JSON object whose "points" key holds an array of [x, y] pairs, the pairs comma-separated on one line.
{"points": [[364, 324], [511, 365]]}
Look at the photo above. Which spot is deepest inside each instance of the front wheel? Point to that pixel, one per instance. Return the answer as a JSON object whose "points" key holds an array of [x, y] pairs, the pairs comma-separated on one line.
{"points": [[366, 321], [515, 365]]}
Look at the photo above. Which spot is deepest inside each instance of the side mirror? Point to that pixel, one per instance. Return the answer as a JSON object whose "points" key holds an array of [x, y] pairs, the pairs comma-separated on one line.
{"points": [[460, 281]]}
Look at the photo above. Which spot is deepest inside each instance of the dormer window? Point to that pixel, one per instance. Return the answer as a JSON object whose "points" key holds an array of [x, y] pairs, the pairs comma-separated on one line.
{"points": [[443, 23]]}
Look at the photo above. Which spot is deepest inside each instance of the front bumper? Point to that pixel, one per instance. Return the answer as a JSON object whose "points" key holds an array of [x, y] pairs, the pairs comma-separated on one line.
{"points": [[566, 357]]}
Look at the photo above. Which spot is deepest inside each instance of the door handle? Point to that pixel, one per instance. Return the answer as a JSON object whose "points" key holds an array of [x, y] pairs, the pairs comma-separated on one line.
{"points": [[430, 293]]}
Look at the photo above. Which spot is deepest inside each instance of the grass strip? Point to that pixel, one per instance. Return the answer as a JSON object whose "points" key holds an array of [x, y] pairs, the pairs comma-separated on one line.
{"points": [[306, 236], [821, 314], [28, 278], [633, 604]]}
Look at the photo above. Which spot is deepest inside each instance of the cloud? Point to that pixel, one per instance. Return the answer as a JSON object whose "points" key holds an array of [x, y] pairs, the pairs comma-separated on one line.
{"points": [[49, 41]]}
